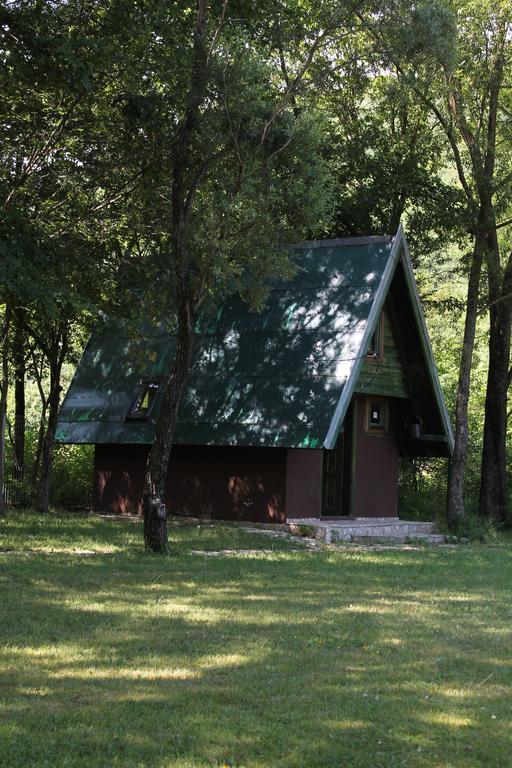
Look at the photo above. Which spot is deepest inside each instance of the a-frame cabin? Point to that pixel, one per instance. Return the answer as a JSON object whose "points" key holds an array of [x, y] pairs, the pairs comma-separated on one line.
{"points": [[300, 411]]}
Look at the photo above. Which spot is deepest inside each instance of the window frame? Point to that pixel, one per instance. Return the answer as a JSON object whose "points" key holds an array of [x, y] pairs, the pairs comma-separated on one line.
{"points": [[383, 427], [377, 355], [144, 385]]}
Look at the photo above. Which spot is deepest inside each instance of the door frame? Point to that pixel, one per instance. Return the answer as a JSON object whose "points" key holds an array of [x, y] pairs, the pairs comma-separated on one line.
{"points": [[344, 451]]}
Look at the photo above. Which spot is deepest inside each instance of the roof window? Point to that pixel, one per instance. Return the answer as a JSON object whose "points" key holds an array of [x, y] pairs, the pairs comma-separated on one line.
{"points": [[144, 400]]}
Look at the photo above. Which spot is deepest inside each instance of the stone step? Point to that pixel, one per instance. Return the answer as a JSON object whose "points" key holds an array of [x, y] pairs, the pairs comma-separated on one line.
{"points": [[427, 538], [366, 529]]}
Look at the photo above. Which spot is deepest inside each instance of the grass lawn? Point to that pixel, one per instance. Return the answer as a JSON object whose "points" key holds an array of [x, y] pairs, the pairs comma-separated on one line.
{"points": [[274, 657]]}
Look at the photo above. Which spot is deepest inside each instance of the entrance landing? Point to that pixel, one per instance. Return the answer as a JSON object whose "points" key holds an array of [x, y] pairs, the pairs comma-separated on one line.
{"points": [[367, 529]]}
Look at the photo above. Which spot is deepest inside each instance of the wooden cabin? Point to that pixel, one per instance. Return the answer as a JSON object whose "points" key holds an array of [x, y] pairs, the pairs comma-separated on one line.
{"points": [[302, 410]]}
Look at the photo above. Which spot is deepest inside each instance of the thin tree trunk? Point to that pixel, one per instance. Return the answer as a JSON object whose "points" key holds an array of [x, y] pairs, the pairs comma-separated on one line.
{"points": [[39, 448], [43, 500], [493, 488], [153, 497], [19, 400], [38, 376], [3, 401], [455, 502], [55, 352]]}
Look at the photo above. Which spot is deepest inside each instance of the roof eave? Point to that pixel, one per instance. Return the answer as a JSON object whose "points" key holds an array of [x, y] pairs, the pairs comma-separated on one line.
{"points": [[427, 347], [378, 303]]}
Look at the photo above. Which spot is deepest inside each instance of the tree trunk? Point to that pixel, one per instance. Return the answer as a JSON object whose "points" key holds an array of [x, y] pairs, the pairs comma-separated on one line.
{"points": [[19, 400], [43, 500], [153, 495], [493, 487], [3, 401], [38, 373], [39, 447], [455, 503]]}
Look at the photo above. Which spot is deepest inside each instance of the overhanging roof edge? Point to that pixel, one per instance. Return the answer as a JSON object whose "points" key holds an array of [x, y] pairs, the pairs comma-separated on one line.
{"points": [[75, 375], [378, 303], [367, 240], [427, 346]]}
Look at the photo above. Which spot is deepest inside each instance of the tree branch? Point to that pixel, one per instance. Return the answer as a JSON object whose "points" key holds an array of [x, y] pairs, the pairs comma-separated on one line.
{"points": [[292, 87], [217, 31], [430, 104], [503, 224], [38, 154]]}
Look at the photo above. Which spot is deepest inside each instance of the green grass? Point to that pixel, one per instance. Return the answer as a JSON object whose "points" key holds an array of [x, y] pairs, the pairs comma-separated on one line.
{"points": [[277, 657]]}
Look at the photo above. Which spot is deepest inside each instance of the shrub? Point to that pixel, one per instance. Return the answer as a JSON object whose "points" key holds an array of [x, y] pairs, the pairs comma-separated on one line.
{"points": [[476, 528]]}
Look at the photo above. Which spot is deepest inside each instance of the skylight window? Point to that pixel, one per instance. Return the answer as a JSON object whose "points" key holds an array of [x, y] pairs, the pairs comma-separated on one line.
{"points": [[144, 400]]}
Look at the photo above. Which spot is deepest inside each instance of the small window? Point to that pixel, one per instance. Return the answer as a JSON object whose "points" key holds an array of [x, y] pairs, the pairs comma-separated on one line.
{"points": [[375, 419], [144, 400], [376, 346], [376, 416]]}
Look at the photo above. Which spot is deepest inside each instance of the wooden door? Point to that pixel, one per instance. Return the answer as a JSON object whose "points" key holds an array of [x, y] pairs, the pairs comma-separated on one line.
{"points": [[337, 474]]}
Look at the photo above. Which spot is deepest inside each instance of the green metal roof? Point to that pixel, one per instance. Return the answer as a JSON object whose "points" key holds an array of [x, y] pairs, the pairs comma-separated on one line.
{"points": [[274, 378]]}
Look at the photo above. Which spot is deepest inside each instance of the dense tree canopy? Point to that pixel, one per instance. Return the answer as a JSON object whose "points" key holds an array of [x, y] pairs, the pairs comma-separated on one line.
{"points": [[161, 156]]}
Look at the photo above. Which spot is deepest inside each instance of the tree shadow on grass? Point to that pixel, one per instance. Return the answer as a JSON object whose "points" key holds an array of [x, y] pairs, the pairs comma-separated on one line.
{"points": [[83, 532], [287, 659]]}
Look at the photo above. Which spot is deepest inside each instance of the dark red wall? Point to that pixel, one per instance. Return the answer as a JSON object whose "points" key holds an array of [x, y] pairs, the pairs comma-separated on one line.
{"points": [[375, 478], [118, 478], [235, 483], [304, 482], [204, 481]]}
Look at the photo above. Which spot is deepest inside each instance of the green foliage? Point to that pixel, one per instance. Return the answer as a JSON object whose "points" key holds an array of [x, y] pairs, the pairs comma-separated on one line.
{"points": [[422, 489], [93, 96], [255, 177], [72, 477], [304, 530], [72, 471], [474, 527], [432, 32], [388, 165]]}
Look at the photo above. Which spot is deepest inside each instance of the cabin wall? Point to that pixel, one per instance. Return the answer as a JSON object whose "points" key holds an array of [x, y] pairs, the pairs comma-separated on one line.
{"points": [[204, 481], [376, 468], [303, 483], [230, 483], [118, 478]]}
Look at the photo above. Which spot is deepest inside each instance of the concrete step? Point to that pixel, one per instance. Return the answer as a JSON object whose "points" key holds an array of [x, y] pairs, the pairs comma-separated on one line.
{"points": [[426, 538], [366, 529]]}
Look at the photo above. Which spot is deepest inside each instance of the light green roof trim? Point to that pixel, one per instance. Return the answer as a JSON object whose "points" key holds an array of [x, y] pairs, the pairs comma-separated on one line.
{"points": [[426, 345], [378, 303]]}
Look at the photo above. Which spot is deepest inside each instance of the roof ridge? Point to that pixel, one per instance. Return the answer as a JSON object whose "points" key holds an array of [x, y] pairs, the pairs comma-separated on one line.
{"points": [[363, 240]]}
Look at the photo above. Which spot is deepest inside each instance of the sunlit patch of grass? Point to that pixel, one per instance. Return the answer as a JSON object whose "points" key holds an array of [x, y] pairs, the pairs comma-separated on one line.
{"points": [[450, 719], [263, 656], [135, 673]]}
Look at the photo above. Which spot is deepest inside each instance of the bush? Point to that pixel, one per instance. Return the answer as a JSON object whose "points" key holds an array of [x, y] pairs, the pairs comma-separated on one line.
{"points": [[476, 528], [306, 531], [422, 489], [72, 476]]}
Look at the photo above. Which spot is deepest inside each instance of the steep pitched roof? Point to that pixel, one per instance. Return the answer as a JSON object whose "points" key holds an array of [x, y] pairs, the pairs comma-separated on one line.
{"points": [[282, 377]]}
